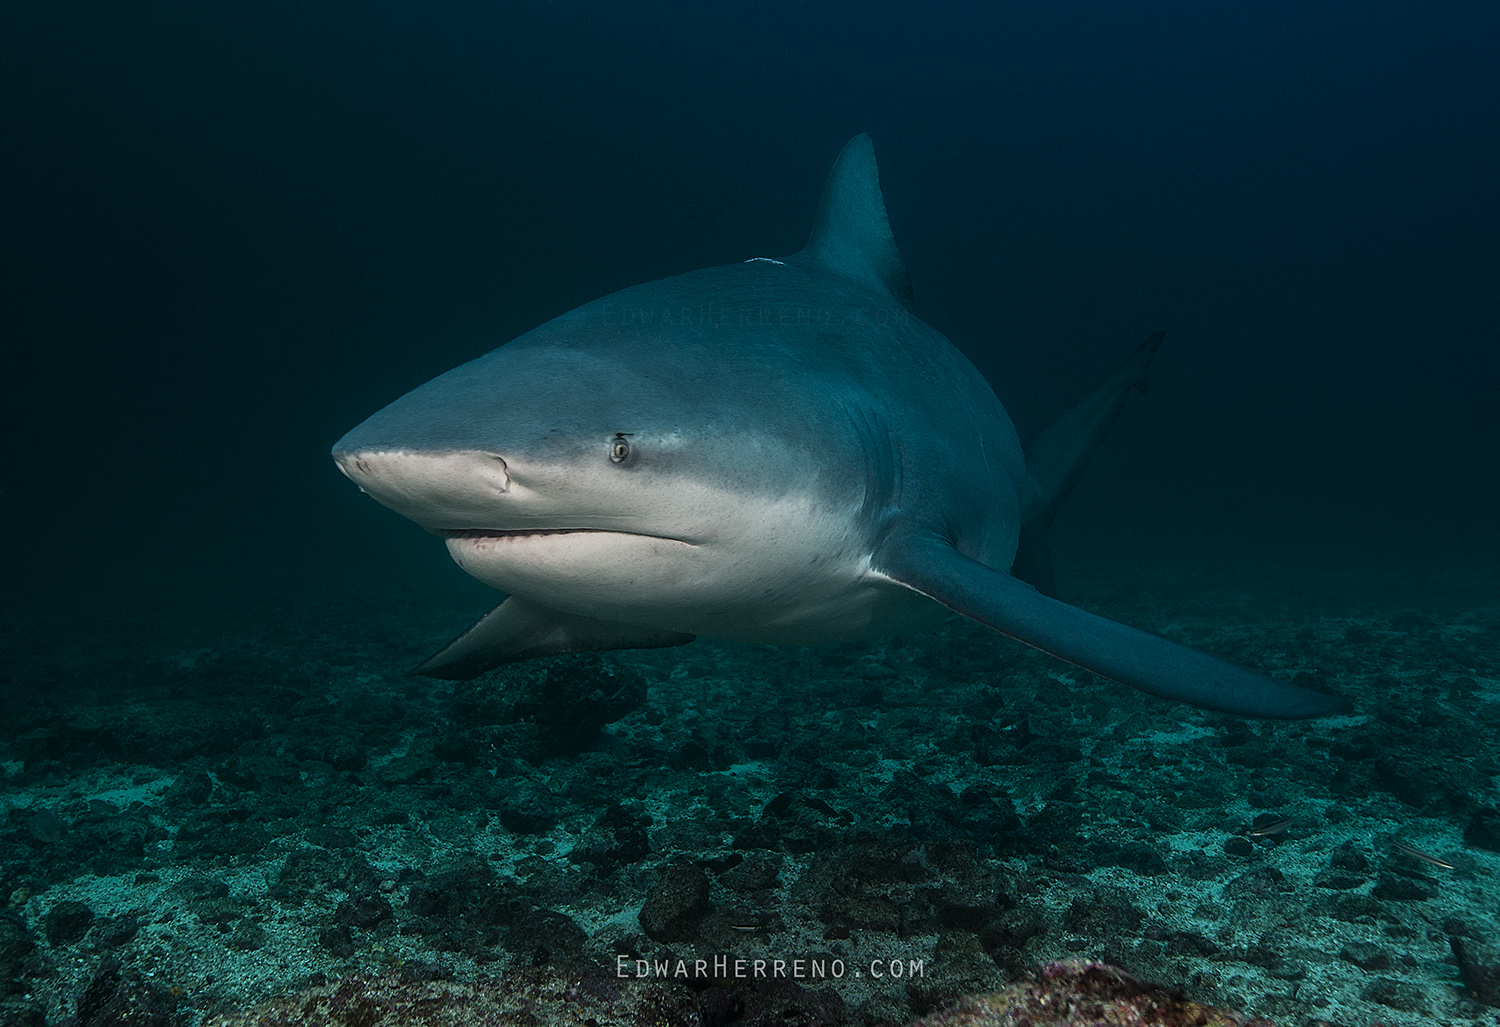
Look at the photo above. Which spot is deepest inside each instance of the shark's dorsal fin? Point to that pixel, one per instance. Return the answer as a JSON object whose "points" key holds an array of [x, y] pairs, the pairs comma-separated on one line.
{"points": [[852, 235]]}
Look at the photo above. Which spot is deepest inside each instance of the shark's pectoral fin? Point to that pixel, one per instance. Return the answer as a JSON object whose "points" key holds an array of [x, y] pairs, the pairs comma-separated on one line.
{"points": [[930, 565], [1033, 563], [518, 630]]}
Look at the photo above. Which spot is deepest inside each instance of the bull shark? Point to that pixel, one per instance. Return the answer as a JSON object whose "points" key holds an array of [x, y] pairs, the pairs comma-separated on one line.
{"points": [[773, 451]]}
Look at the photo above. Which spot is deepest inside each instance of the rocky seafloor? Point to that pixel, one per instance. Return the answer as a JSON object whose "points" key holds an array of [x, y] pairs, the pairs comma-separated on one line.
{"points": [[257, 806]]}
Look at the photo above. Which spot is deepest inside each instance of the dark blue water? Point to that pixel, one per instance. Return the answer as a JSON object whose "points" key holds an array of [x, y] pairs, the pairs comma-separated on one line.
{"points": [[231, 232]]}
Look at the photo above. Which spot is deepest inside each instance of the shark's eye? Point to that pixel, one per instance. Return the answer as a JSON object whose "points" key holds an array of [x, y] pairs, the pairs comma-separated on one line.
{"points": [[619, 448]]}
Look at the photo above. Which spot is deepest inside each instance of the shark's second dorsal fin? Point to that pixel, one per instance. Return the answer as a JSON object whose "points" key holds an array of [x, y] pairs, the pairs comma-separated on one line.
{"points": [[853, 234]]}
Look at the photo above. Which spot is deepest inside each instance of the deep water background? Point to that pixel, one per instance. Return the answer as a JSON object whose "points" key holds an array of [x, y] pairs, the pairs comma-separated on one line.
{"points": [[231, 232]]}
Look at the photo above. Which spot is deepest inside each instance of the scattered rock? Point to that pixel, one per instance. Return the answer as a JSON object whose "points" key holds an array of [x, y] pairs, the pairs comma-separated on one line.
{"points": [[539, 709], [247, 936], [1399, 888], [1481, 980], [528, 808], [1483, 830], [545, 936], [67, 922], [16, 950], [676, 904], [771, 1003], [1079, 993], [1399, 995], [115, 999], [530, 995], [1238, 846], [1366, 956], [754, 874], [618, 839]]}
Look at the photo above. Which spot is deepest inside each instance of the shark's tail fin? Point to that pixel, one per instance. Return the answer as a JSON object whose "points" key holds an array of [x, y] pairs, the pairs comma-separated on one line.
{"points": [[1058, 456]]}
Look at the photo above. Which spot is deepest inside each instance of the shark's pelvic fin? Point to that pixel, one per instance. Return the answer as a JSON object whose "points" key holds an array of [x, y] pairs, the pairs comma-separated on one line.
{"points": [[852, 234], [517, 630], [1057, 458], [930, 565]]}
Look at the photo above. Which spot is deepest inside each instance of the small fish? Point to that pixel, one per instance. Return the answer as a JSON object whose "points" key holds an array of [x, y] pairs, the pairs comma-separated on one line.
{"points": [[746, 927], [1425, 857], [1274, 827]]}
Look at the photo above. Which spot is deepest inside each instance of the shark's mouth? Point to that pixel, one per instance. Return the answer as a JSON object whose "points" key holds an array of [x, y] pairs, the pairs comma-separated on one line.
{"points": [[483, 533], [492, 534]]}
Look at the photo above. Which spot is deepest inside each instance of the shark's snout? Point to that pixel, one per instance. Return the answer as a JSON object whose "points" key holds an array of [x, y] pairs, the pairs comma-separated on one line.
{"points": [[437, 490]]}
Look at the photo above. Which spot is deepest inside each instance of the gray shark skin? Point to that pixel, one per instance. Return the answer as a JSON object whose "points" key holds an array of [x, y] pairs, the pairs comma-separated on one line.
{"points": [[772, 451]]}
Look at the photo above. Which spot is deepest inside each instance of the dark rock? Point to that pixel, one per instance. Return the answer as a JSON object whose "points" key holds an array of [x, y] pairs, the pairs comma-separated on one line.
{"points": [[315, 872], [21, 1013], [545, 936], [770, 1003], [216, 834], [413, 768], [618, 839], [417, 995], [1483, 830], [363, 911], [1398, 888], [46, 827], [1238, 846], [676, 904], [1100, 916], [967, 916], [1264, 881], [1348, 858], [219, 911], [1137, 856], [1191, 943], [116, 931], [247, 936], [779, 804], [754, 874], [539, 709], [1366, 956], [200, 889], [1399, 995], [16, 949], [466, 909], [865, 912], [67, 922], [344, 753], [332, 837], [191, 789], [528, 809], [259, 770], [1355, 908], [1481, 980], [113, 999], [691, 755], [1011, 930], [337, 940]]}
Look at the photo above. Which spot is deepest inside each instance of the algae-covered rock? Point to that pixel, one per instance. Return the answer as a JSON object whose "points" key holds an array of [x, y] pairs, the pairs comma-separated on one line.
{"points": [[536, 995], [1079, 993]]}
